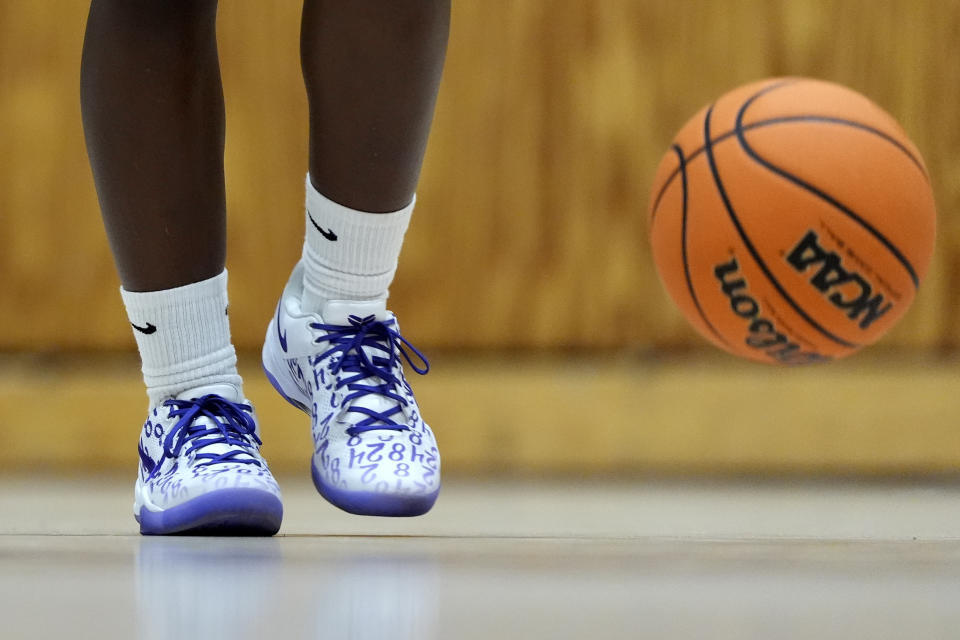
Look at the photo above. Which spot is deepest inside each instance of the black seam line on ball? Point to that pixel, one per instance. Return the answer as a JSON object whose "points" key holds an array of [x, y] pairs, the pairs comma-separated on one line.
{"points": [[749, 245], [683, 247], [850, 213], [788, 120]]}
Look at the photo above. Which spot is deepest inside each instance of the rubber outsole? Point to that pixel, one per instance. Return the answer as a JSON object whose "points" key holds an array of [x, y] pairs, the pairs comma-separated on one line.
{"points": [[276, 385], [370, 503], [225, 512]]}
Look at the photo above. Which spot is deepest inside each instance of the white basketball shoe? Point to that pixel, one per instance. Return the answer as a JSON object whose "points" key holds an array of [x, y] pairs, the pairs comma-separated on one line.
{"points": [[201, 471], [373, 454]]}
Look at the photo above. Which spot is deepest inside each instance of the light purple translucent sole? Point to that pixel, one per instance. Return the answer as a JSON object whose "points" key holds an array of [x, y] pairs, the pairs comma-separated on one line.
{"points": [[276, 385], [225, 512], [370, 503]]}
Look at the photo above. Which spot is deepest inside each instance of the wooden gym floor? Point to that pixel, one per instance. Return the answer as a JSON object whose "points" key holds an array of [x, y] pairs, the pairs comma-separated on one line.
{"points": [[497, 559], [571, 509]]}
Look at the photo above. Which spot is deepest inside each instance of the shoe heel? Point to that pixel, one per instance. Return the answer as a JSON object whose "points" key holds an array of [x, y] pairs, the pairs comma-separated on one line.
{"points": [[273, 368]]}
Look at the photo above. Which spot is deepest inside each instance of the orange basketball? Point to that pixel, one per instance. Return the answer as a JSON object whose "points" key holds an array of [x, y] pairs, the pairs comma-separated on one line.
{"points": [[792, 221]]}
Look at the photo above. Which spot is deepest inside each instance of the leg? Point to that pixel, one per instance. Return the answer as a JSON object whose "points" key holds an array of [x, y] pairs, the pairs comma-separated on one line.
{"points": [[372, 69], [153, 117]]}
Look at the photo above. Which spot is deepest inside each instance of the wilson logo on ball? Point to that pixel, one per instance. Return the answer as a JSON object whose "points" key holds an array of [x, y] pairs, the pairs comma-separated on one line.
{"points": [[763, 333], [831, 278]]}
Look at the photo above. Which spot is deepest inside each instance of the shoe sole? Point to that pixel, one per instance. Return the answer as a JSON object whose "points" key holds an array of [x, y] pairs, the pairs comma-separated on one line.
{"points": [[225, 512], [370, 503], [361, 503], [268, 358]]}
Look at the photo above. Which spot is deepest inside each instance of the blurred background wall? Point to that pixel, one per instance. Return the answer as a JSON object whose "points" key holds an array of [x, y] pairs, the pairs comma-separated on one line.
{"points": [[529, 236]]}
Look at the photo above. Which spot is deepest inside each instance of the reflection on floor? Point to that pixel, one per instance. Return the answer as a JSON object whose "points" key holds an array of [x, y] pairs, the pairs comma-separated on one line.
{"points": [[514, 559]]}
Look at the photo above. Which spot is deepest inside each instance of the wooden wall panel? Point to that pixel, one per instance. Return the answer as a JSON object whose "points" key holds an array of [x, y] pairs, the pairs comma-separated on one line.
{"points": [[530, 227], [884, 416]]}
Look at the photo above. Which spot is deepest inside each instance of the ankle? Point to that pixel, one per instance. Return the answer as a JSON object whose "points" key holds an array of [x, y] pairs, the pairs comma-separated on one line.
{"points": [[348, 254], [183, 335]]}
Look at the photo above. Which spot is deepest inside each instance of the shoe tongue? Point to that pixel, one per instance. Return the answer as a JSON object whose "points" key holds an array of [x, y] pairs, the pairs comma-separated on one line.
{"points": [[338, 312], [227, 391]]}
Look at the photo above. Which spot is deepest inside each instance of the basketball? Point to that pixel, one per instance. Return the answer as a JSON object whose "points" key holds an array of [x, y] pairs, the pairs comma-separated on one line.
{"points": [[792, 221]]}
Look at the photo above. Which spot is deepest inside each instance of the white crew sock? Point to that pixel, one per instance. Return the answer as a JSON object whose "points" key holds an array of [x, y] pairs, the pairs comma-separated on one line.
{"points": [[348, 254], [184, 337]]}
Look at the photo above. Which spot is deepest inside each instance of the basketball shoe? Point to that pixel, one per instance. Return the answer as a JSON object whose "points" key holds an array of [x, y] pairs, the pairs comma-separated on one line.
{"points": [[201, 471], [372, 452]]}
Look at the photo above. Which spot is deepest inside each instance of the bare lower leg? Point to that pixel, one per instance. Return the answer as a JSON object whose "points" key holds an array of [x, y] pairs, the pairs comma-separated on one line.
{"points": [[153, 117], [372, 69]]}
